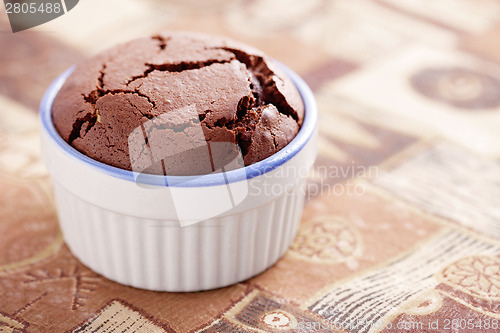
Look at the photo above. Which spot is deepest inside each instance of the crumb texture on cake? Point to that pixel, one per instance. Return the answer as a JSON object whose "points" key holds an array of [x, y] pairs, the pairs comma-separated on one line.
{"points": [[239, 94]]}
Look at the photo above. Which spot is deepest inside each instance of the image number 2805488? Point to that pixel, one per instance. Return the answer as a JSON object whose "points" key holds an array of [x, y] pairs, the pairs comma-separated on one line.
{"points": [[28, 14], [33, 8]]}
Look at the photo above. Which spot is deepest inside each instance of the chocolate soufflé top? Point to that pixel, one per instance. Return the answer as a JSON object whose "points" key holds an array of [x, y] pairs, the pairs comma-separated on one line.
{"points": [[154, 86]]}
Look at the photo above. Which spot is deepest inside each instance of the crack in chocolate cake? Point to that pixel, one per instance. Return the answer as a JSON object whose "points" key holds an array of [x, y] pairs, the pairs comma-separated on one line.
{"points": [[240, 96]]}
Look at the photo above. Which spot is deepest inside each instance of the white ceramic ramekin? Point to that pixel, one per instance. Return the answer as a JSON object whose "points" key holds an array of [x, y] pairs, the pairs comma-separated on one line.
{"points": [[129, 231]]}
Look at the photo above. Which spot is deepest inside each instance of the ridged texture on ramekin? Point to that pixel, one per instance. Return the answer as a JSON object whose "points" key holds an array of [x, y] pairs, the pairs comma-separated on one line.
{"points": [[161, 255]]}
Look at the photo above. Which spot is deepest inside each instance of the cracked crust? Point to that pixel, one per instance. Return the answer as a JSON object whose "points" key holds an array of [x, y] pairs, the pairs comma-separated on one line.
{"points": [[241, 97]]}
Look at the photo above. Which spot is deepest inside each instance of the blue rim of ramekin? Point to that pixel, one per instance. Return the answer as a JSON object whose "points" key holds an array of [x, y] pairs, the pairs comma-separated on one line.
{"points": [[272, 162]]}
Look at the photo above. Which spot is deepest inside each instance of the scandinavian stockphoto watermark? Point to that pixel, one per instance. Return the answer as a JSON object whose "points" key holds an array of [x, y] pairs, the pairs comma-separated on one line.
{"points": [[438, 325], [338, 180], [174, 144], [442, 324], [31, 13], [279, 319]]}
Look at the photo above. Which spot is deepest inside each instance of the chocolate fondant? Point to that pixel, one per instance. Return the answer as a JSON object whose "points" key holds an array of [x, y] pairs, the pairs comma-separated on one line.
{"points": [[239, 95]]}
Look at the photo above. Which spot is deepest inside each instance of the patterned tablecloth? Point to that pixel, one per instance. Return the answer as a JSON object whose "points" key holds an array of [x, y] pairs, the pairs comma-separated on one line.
{"points": [[401, 226]]}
